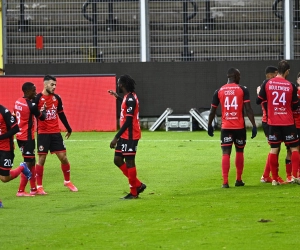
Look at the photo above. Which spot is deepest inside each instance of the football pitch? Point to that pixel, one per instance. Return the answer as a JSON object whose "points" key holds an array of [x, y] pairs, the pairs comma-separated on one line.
{"points": [[183, 207]]}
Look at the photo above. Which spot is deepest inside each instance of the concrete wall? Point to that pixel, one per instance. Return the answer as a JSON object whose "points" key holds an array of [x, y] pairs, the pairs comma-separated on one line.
{"points": [[178, 85]]}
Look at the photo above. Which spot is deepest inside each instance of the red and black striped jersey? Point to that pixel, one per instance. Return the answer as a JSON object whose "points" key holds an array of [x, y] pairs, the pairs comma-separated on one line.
{"points": [[53, 107], [25, 111], [7, 121], [130, 107], [232, 97]]}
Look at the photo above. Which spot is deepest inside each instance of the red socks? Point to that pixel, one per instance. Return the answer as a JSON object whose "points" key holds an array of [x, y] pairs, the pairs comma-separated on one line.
{"points": [[32, 181], [295, 163], [39, 174], [239, 164], [66, 171], [288, 167], [273, 161], [132, 180], [124, 169], [16, 172], [23, 183], [225, 167], [267, 170]]}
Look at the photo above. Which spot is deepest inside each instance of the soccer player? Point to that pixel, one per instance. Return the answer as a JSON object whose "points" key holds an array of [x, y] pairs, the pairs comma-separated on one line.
{"points": [[48, 133], [8, 128], [271, 71], [126, 140], [233, 99], [281, 97], [25, 111]]}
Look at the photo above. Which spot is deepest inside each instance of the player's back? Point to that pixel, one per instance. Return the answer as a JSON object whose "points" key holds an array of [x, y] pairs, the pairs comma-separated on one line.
{"points": [[279, 94], [25, 119], [231, 96]]}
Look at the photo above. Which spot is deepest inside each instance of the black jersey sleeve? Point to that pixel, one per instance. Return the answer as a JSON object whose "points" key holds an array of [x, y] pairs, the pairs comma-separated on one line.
{"points": [[10, 121], [60, 106], [246, 93], [215, 100], [130, 104], [34, 110], [262, 95], [295, 100]]}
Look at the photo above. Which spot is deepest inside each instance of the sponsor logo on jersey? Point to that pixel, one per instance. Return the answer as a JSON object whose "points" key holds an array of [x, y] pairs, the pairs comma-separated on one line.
{"points": [[129, 109], [12, 119], [233, 113], [130, 99]]}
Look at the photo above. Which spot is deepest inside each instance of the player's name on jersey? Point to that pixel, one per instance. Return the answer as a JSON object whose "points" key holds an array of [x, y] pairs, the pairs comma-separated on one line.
{"points": [[277, 87]]}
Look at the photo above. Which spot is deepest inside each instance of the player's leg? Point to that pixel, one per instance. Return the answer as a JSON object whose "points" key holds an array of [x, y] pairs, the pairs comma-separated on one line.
{"points": [[226, 145], [121, 164], [27, 148], [288, 164], [43, 144], [292, 141], [57, 147], [266, 174], [274, 139], [6, 172], [239, 138]]}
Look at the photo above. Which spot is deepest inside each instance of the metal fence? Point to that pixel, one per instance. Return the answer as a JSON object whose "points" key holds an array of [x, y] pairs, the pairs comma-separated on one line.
{"points": [[73, 31]]}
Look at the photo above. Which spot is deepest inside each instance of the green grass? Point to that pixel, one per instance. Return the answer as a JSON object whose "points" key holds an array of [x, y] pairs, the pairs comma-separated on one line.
{"points": [[183, 207]]}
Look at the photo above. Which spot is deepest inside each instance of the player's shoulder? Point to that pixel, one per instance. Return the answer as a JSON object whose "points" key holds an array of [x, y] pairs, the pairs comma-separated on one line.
{"points": [[38, 97], [57, 96], [4, 110], [131, 97]]}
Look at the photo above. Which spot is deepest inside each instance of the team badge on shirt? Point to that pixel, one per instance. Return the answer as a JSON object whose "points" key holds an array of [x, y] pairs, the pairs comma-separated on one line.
{"points": [[41, 148]]}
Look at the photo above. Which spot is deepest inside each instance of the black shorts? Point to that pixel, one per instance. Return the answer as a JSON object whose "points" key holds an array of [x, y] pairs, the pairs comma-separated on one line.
{"points": [[286, 134], [126, 148], [6, 162], [265, 127], [236, 136], [52, 142], [27, 149]]}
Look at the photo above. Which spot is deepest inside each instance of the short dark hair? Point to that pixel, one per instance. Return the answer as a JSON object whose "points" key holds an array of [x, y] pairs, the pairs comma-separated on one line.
{"points": [[271, 69], [127, 82], [232, 72], [283, 66], [298, 75], [49, 77], [27, 86]]}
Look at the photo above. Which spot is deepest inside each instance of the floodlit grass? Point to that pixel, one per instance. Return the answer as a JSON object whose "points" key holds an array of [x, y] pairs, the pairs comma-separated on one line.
{"points": [[183, 207]]}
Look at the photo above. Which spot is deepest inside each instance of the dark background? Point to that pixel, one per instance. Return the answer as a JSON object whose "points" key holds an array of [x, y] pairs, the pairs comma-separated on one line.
{"points": [[176, 85]]}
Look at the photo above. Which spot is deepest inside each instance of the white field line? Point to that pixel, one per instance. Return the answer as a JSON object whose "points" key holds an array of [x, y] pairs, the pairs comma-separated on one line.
{"points": [[145, 140]]}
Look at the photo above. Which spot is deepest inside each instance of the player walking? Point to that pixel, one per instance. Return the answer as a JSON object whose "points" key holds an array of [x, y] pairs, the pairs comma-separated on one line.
{"points": [[126, 140]]}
